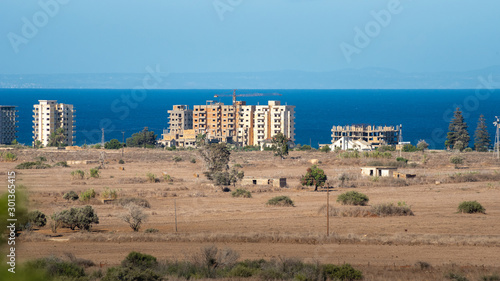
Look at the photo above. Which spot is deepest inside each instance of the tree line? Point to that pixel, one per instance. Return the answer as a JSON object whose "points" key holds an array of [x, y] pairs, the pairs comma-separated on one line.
{"points": [[458, 137]]}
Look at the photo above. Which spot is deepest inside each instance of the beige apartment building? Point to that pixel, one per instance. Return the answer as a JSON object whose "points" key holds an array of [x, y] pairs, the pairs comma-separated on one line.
{"points": [[8, 124], [240, 124], [259, 123], [48, 116], [373, 135]]}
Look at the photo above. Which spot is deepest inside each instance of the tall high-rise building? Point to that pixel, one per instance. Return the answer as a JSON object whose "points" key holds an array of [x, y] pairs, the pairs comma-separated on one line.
{"points": [[8, 124], [216, 120], [48, 116], [270, 120], [239, 123]]}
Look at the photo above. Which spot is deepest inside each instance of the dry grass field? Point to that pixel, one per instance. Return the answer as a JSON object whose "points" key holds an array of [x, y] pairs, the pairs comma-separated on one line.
{"points": [[384, 248]]}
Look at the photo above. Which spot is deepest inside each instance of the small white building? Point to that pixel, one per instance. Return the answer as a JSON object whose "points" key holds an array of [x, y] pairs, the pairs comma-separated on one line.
{"points": [[346, 143], [378, 171]]}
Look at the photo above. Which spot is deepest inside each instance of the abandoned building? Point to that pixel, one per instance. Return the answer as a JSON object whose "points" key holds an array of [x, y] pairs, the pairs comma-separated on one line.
{"points": [[398, 175], [378, 171], [278, 182]]}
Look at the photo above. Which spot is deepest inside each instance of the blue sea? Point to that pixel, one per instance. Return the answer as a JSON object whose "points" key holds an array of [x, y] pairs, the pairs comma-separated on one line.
{"points": [[424, 114]]}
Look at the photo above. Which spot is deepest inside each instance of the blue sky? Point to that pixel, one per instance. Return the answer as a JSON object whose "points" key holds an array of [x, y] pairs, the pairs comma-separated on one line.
{"points": [[124, 36]]}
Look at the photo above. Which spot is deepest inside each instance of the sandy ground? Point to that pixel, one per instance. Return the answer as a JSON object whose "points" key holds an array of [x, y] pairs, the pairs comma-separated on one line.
{"points": [[437, 234]]}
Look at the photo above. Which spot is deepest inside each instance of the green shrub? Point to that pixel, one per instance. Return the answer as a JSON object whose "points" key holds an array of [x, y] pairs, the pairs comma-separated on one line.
{"points": [[61, 164], [54, 267], [82, 218], [94, 173], [251, 148], [242, 193], [151, 230], [151, 177], [71, 196], [193, 160], [130, 274], [113, 144], [384, 148], [237, 165], [375, 164], [282, 201], [137, 201], [401, 159], [135, 266], [138, 260], [471, 207], [241, 271], [343, 272], [86, 195], [78, 174], [493, 277], [353, 198], [37, 218], [390, 209], [456, 160], [97, 146], [325, 149], [41, 159], [121, 162], [9, 157], [303, 147], [177, 159], [32, 165], [167, 178], [109, 193], [271, 274], [468, 149], [409, 148], [349, 154], [377, 154], [456, 277]]}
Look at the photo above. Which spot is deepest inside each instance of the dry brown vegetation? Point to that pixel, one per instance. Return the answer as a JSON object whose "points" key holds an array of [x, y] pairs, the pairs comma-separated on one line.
{"points": [[384, 248]]}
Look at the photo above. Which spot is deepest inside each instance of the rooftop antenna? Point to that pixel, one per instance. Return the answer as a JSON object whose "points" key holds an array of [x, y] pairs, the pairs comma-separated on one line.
{"points": [[497, 137]]}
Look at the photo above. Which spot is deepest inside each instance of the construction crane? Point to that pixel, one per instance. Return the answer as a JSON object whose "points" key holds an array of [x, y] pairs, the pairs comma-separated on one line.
{"points": [[234, 95]]}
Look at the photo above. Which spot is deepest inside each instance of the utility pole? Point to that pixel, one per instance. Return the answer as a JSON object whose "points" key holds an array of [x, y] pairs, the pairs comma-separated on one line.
{"points": [[123, 142], [175, 210], [102, 140], [400, 139], [328, 210], [496, 148]]}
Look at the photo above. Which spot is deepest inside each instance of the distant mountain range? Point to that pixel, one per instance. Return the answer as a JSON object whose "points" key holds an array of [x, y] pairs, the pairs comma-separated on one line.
{"points": [[368, 78]]}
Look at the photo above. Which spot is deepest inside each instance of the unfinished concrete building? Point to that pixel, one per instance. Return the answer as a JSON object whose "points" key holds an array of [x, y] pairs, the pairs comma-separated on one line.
{"points": [[180, 118], [180, 132], [374, 135], [8, 124], [48, 116]]}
